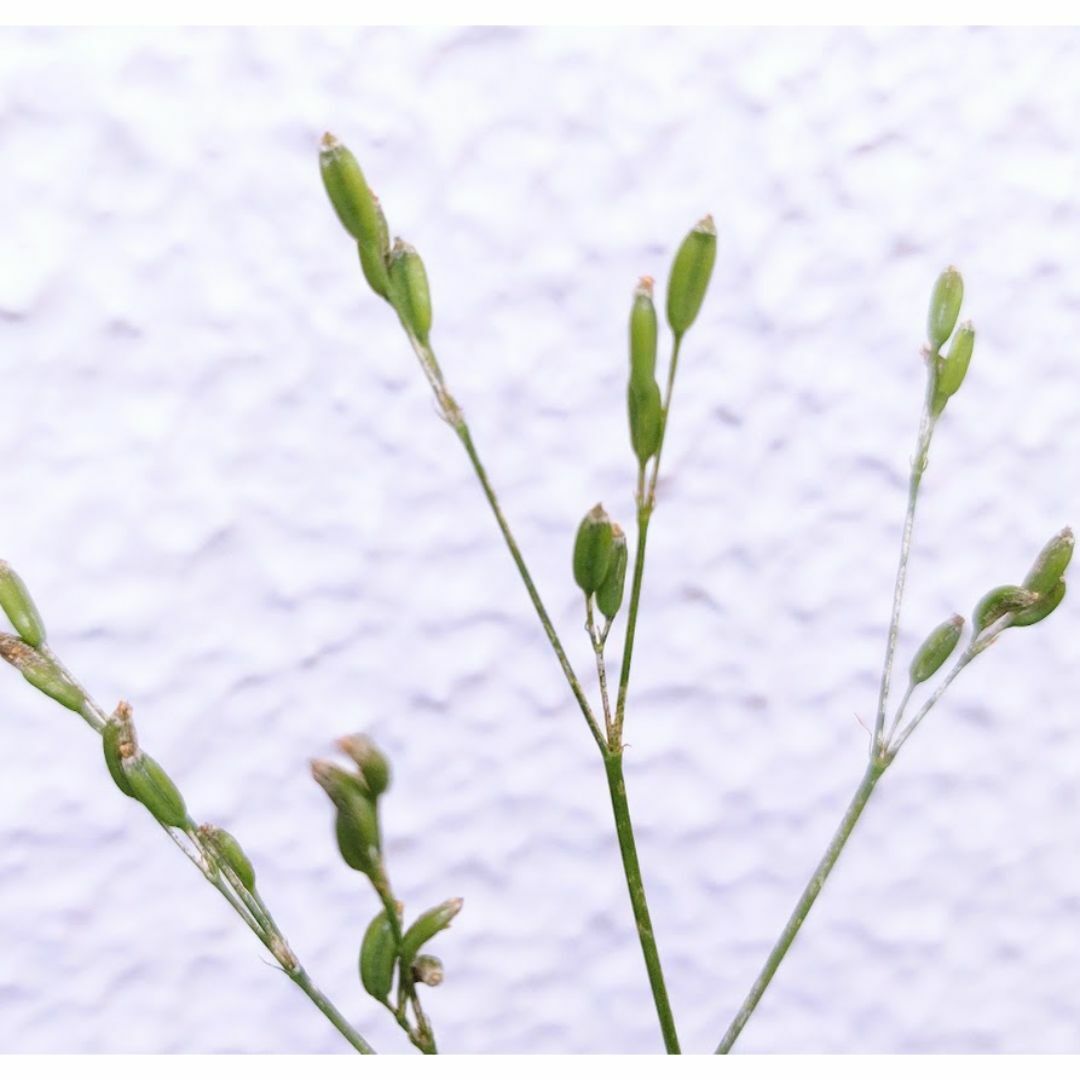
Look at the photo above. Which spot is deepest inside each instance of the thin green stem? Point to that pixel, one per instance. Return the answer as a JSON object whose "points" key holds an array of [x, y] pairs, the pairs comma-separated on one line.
{"points": [[636, 886], [806, 902], [423, 1037], [601, 665]]}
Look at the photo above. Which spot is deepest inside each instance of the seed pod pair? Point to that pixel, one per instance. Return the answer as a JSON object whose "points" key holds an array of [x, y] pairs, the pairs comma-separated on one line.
{"points": [[432, 922], [945, 301], [228, 850], [690, 275], [378, 957], [951, 368], [19, 607], [358, 210], [409, 290], [643, 394], [356, 824], [370, 760], [40, 672], [936, 649], [999, 602]]}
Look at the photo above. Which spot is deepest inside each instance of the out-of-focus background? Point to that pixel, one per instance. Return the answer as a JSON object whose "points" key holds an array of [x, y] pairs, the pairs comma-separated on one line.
{"points": [[225, 483]]}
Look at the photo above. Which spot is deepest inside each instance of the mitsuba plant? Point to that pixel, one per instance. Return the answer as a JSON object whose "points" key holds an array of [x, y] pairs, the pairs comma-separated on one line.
{"points": [[392, 967]]}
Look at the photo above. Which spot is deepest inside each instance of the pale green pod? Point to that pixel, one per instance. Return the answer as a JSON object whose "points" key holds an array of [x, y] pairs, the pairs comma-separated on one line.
{"points": [[1004, 600], [945, 301], [936, 649], [592, 549], [118, 741], [370, 760], [41, 673], [409, 289], [610, 594], [643, 335], [690, 275], [151, 785], [227, 848], [1045, 605], [19, 607], [427, 926], [646, 412], [375, 256], [356, 824], [1050, 565], [428, 970], [378, 957]]}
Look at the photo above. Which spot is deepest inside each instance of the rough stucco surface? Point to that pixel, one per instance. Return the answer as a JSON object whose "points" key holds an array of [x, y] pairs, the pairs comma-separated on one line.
{"points": [[225, 482]]}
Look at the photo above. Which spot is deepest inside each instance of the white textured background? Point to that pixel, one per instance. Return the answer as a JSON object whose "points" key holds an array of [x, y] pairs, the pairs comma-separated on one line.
{"points": [[224, 481]]}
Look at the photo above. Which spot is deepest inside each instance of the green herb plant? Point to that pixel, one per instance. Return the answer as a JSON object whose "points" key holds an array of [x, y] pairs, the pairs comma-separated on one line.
{"points": [[391, 966]]}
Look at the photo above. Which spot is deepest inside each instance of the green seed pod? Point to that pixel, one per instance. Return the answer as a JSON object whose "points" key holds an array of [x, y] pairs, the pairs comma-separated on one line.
{"points": [[936, 649], [40, 672], [592, 549], [370, 760], [409, 285], [610, 594], [690, 275], [227, 848], [953, 366], [1004, 600], [374, 257], [150, 784], [118, 741], [427, 970], [427, 926], [378, 957], [1049, 568], [1042, 607], [646, 411], [643, 334], [945, 303], [356, 824], [19, 607]]}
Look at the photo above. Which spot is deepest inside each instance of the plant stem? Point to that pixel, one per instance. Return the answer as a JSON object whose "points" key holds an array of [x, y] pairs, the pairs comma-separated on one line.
{"points": [[858, 803], [918, 467], [601, 665], [423, 1038], [628, 849]]}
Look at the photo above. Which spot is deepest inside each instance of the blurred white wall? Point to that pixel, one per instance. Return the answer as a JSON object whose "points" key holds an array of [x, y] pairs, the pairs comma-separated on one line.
{"points": [[225, 483]]}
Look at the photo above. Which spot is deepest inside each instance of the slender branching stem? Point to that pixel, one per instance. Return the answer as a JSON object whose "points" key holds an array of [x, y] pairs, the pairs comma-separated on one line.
{"points": [[422, 1036], [636, 887], [918, 467], [598, 641]]}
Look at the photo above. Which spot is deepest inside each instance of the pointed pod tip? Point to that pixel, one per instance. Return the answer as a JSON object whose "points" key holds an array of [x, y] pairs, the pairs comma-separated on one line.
{"points": [[644, 286], [706, 225], [328, 142]]}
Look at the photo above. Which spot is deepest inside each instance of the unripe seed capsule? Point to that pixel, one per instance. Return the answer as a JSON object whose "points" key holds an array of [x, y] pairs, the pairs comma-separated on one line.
{"points": [[409, 285], [610, 594], [646, 412], [954, 364], [227, 848], [378, 956], [1004, 600], [40, 672], [19, 607], [356, 825], [118, 741], [690, 275], [945, 303], [428, 970], [1050, 565], [592, 550], [150, 784], [936, 649], [1045, 605], [643, 334], [370, 760], [427, 926]]}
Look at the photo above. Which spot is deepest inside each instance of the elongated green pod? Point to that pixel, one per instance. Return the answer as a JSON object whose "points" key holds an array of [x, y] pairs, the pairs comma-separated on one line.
{"points": [[592, 549], [227, 848], [690, 274], [427, 970], [1045, 605], [409, 289], [646, 412], [151, 785], [945, 301], [609, 596], [370, 760], [953, 366], [118, 741], [1004, 600], [427, 926], [41, 673], [356, 825], [1051, 563], [936, 649], [18, 605], [375, 256], [643, 335], [378, 957]]}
